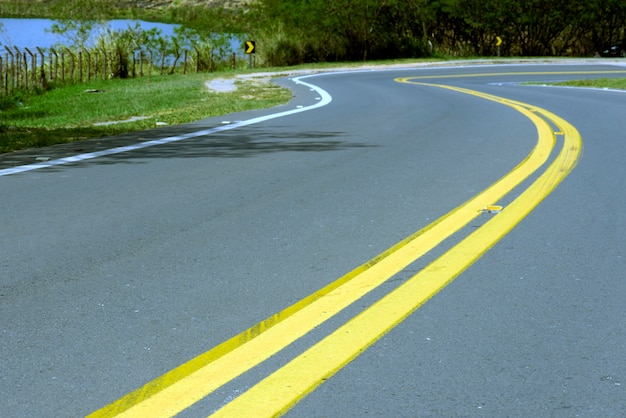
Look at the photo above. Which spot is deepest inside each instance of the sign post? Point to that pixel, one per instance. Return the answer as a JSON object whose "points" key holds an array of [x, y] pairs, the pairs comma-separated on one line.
{"points": [[498, 43], [250, 50]]}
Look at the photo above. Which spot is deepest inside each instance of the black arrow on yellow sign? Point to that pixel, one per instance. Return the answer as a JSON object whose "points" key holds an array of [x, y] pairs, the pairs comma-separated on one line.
{"points": [[250, 45]]}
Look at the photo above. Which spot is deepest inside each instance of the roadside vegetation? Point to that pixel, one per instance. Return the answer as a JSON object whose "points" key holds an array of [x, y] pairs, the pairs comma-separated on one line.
{"points": [[88, 110], [305, 31], [601, 83], [302, 31], [104, 108], [312, 33]]}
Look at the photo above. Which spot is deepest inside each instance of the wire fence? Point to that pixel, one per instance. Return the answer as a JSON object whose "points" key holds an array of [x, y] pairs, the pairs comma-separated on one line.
{"points": [[26, 69]]}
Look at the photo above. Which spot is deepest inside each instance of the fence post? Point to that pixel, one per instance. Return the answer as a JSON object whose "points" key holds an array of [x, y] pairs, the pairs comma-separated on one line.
{"points": [[176, 58], [55, 73], [62, 66], [134, 65], [10, 71], [88, 64], [197, 59], [6, 74], [104, 74], [87, 55], [18, 68], [42, 73], [33, 60], [21, 65], [80, 66], [96, 63], [72, 64], [2, 73]]}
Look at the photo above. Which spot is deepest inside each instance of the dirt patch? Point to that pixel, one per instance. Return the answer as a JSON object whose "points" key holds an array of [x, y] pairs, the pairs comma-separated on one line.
{"points": [[222, 85], [133, 119]]}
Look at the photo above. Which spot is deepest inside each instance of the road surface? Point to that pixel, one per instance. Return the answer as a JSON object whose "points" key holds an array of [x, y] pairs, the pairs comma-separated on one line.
{"points": [[405, 242]]}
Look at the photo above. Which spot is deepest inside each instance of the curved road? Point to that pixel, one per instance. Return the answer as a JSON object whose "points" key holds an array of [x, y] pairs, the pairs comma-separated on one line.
{"points": [[408, 242]]}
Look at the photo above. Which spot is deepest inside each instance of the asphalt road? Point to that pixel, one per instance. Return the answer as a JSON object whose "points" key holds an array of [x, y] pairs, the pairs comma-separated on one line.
{"points": [[120, 267]]}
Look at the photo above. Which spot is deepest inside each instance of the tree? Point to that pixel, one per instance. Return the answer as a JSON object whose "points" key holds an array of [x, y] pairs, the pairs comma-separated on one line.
{"points": [[77, 19], [369, 29]]}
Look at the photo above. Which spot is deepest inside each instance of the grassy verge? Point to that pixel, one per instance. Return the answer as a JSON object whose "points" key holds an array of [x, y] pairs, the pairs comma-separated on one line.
{"points": [[69, 114], [601, 83], [75, 112]]}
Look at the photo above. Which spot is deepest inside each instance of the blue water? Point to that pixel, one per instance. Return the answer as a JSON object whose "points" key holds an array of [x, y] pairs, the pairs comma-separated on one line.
{"points": [[32, 33]]}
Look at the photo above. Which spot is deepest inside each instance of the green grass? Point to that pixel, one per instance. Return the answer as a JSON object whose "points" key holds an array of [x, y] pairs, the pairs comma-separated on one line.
{"points": [[69, 114], [602, 83]]}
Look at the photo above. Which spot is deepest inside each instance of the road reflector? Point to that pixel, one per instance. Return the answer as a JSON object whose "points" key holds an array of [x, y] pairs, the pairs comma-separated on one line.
{"points": [[492, 209]]}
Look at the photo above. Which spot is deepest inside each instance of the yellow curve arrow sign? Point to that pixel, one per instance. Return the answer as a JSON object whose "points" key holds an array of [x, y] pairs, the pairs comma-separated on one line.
{"points": [[250, 45]]}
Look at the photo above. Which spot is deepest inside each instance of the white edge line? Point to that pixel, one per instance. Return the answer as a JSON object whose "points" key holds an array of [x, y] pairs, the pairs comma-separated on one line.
{"points": [[600, 89], [325, 99]]}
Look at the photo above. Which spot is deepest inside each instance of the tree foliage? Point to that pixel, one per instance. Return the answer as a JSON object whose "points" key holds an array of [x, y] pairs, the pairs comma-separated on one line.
{"points": [[77, 19], [85, 24], [324, 30], [299, 31]]}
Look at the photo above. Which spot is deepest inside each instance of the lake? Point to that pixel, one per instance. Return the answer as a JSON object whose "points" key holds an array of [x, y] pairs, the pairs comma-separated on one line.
{"points": [[32, 33]]}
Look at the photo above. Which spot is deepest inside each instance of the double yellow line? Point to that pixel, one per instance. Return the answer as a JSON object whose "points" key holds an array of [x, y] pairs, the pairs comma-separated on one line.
{"points": [[182, 387]]}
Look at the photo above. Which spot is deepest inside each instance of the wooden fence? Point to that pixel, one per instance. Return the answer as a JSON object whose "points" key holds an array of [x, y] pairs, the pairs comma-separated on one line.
{"points": [[24, 69]]}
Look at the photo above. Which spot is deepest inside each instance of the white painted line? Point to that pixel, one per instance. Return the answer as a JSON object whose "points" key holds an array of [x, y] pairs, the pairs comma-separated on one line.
{"points": [[325, 99]]}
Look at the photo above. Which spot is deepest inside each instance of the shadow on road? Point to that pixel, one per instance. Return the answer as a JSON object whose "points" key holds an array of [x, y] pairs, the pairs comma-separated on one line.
{"points": [[242, 142]]}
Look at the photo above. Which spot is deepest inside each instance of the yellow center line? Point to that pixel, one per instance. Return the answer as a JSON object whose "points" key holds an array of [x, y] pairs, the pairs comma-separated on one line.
{"points": [[598, 72], [281, 390], [183, 386]]}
